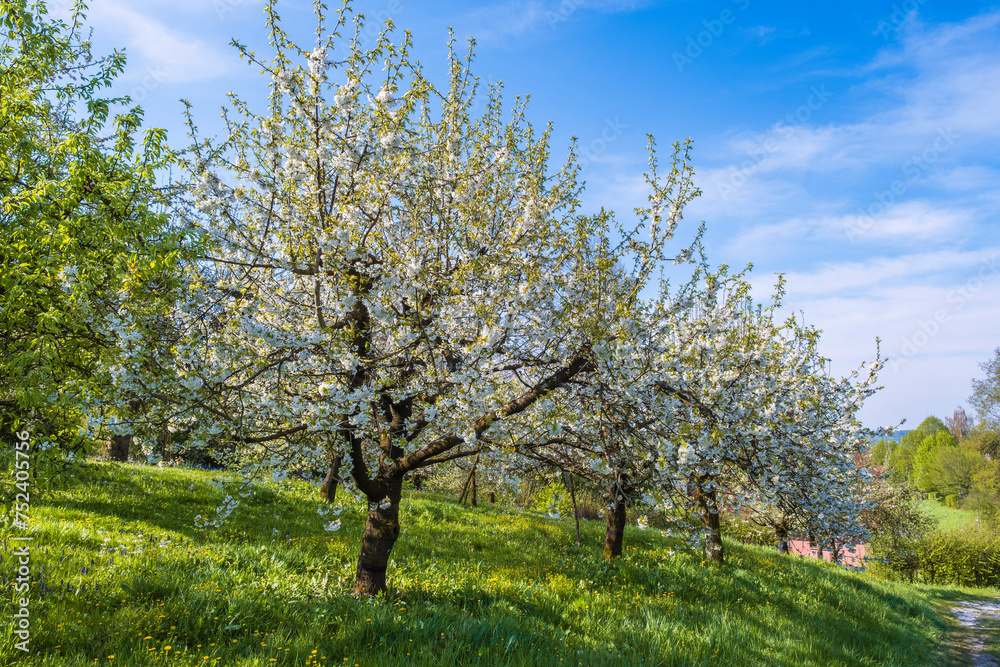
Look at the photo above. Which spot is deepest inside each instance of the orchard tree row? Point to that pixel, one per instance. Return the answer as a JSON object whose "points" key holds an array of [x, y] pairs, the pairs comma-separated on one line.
{"points": [[368, 276]]}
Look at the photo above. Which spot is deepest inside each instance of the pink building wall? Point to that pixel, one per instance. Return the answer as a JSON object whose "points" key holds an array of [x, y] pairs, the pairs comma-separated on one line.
{"points": [[850, 555]]}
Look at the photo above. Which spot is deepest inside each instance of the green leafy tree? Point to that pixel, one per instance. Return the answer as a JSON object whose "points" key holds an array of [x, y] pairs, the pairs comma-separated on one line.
{"points": [[984, 440], [80, 232], [927, 452], [903, 460], [985, 494], [950, 470]]}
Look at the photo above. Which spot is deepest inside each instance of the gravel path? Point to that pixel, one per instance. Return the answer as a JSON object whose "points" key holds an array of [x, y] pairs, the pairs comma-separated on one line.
{"points": [[972, 615]]}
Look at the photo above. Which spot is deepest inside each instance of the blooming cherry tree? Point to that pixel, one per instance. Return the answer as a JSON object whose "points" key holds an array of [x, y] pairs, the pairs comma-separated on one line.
{"points": [[763, 423], [389, 280]]}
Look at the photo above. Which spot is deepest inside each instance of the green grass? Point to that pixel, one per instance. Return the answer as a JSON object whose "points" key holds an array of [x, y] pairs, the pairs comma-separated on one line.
{"points": [[127, 574], [948, 518]]}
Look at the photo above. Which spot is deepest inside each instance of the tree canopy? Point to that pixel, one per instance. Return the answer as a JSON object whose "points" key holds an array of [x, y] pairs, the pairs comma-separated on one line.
{"points": [[79, 220]]}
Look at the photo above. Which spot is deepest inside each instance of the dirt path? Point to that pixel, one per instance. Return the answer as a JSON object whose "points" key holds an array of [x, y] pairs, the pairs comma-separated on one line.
{"points": [[981, 619]]}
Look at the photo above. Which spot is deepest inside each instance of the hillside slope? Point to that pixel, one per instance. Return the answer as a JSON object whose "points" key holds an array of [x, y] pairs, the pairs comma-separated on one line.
{"points": [[948, 518], [120, 570]]}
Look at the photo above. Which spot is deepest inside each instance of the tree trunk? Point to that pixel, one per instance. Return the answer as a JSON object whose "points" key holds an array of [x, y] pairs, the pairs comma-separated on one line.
{"points": [[709, 511], [163, 441], [470, 482], [493, 497], [782, 534], [118, 446], [834, 552], [381, 533], [615, 535], [328, 490]]}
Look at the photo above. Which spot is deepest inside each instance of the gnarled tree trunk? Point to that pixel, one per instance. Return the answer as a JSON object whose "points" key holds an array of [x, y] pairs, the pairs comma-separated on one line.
{"points": [[614, 537], [384, 488], [708, 509], [381, 533]]}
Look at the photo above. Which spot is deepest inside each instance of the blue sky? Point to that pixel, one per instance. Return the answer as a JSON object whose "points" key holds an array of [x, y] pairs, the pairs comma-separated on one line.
{"points": [[852, 146]]}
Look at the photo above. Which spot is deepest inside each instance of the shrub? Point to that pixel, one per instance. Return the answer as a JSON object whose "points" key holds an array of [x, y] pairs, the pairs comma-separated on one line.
{"points": [[962, 558]]}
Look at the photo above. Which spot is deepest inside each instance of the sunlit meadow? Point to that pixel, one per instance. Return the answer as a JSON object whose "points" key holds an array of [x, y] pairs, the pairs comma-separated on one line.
{"points": [[122, 576]]}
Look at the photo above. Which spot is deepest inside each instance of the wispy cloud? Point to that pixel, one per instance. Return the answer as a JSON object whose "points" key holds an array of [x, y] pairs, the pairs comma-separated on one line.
{"points": [[934, 80], [761, 33], [935, 313], [518, 17], [901, 191], [924, 268], [174, 56]]}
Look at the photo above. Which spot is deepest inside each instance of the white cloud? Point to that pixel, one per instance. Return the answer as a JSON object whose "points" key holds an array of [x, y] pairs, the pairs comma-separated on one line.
{"points": [[904, 225], [918, 270], [516, 17], [908, 222], [166, 55], [935, 313], [940, 95]]}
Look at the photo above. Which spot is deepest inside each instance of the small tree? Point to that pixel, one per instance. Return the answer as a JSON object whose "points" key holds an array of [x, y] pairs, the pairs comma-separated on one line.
{"points": [[959, 424], [916, 447], [723, 405]]}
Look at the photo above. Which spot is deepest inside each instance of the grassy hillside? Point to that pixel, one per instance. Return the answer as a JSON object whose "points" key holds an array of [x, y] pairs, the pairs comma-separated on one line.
{"points": [[948, 518], [123, 576]]}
